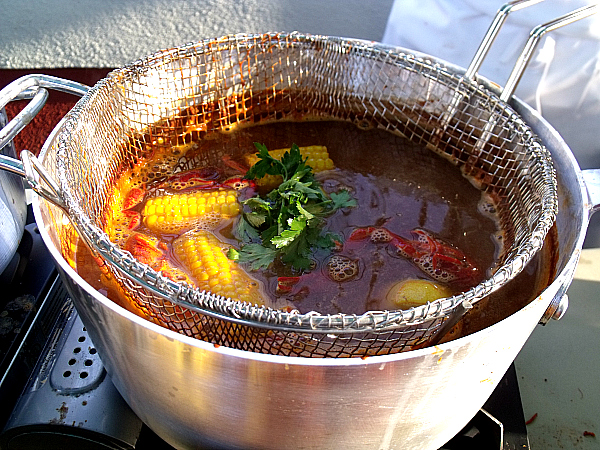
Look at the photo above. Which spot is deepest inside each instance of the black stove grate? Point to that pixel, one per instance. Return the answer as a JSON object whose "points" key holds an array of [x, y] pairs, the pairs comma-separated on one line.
{"points": [[26, 323]]}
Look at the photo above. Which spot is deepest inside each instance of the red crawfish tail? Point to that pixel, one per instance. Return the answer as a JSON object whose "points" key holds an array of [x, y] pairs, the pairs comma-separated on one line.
{"points": [[376, 234], [360, 234], [235, 165], [152, 251], [133, 198], [146, 249], [439, 259], [286, 284], [461, 273], [134, 219], [239, 183]]}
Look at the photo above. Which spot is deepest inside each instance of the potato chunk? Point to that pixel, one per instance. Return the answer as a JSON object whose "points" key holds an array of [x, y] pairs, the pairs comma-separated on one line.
{"points": [[415, 292]]}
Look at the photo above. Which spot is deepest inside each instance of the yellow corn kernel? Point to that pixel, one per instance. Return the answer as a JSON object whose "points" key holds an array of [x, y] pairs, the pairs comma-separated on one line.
{"points": [[180, 212], [151, 220], [230, 209], [203, 255], [318, 159]]}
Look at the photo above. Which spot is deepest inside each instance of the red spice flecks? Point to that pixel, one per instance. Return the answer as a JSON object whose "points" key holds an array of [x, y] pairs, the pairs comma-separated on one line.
{"points": [[33, 136], [589, 433], [530, 421]]}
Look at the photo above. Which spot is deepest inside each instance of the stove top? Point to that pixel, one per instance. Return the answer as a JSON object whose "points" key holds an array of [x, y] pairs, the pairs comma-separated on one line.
{"points": [[56, 392]]}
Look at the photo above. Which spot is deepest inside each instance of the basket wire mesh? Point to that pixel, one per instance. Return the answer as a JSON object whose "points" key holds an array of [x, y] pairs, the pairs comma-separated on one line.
{"points": [[243, 79]]}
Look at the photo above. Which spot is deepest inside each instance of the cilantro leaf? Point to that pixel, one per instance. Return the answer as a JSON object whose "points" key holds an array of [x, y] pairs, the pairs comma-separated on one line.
{"points": [[264, 164], [233, 254], [296, 226], [342, 199], [304, 212], [286, 223], [244, 230], [258, 256]]}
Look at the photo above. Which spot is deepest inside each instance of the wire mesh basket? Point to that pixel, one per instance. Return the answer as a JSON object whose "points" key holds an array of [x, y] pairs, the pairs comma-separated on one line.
{"points": [[245, 79]]}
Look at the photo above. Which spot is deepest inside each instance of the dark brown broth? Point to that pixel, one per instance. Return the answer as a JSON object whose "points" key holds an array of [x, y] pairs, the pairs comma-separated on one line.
{"points": [[398, 184]]}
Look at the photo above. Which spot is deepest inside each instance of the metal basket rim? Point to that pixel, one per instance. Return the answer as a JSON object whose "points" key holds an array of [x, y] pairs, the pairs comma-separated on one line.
{"points": [[214, 305]]}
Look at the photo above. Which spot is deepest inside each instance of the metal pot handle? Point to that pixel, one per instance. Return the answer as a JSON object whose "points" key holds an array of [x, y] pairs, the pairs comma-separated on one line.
{"points": [[33, 87], [592, 183], [559, 304]]}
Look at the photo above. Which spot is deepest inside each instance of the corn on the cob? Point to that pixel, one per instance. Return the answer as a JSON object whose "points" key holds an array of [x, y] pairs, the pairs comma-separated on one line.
{"points": [[204, 256], [318, 159], [179, 212]]}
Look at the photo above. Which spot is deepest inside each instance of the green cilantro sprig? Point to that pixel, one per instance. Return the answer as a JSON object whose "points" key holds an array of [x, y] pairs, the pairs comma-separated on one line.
{"points": [[287, 223]]}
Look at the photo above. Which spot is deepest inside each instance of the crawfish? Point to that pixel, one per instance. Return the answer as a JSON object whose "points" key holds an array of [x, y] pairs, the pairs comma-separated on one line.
{"points": [[207, 178], [152, 251], [440, 260]]}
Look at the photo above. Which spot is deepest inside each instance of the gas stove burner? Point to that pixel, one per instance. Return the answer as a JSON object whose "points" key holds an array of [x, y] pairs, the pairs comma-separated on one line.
{"points": [[69, 401], [24, 320], [23, 280]]}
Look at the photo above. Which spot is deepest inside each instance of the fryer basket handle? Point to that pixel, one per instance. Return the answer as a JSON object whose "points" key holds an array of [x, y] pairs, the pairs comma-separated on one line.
{"points": [[521, 63], [34, 87], [531, 44], [534, 38], [492, 33]]}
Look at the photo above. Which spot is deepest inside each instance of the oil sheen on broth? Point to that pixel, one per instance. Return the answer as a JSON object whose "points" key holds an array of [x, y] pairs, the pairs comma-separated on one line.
{"points": [[399, 186]]}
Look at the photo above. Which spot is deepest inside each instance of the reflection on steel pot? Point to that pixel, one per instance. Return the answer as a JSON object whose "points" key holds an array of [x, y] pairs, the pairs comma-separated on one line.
{"points": [[13, 206]]}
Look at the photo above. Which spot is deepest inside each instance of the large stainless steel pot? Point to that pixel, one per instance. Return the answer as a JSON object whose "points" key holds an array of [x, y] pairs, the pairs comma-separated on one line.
{"points": [[192, 393]]}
